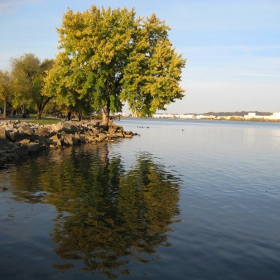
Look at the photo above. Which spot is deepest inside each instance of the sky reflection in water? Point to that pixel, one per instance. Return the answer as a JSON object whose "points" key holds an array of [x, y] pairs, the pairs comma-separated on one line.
{"points": [[189, 200]]}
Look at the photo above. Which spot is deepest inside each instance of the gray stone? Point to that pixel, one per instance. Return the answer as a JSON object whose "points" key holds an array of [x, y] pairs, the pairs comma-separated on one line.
{"points": [[26, 129], [43, 131], [70, 128], [15, 135], [33, 147], [40, 140]]}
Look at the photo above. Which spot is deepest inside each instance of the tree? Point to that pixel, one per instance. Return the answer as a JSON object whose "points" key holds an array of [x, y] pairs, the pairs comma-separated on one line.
{"points": [[29, 72], [108, 57], [6, 88]]}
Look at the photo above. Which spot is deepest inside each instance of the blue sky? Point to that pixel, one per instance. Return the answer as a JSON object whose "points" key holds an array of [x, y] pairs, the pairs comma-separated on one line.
{"points": [[232, 47]]}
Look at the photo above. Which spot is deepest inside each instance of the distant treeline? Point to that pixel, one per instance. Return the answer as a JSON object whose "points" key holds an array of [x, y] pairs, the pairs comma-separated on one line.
{"points": [[242, 113]]}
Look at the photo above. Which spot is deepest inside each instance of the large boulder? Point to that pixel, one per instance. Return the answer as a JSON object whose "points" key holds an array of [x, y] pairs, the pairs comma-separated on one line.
{"points": [[112, 130], [67, 139], [70, 128], [43, 141], [16, 136], [43, 131], [57, 127], [26, 129], [9, 125], [119, 134]]}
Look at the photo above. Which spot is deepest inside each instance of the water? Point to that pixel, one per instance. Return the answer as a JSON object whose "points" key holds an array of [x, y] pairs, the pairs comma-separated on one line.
{"points": [[185, 200]]}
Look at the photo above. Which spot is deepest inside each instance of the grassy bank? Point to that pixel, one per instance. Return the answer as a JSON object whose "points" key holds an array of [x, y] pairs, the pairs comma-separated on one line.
{"points": [[43, 121]]}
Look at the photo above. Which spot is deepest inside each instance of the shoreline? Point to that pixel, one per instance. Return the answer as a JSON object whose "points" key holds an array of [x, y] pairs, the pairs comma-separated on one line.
{"points": [[20, 139]]}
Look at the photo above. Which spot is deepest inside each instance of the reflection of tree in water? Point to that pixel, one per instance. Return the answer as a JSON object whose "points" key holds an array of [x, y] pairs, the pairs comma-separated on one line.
{"points": [[27, 180], [107, 215]]}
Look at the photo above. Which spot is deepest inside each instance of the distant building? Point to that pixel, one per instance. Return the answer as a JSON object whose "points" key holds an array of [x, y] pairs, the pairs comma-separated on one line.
{"points": [[274, 116]]}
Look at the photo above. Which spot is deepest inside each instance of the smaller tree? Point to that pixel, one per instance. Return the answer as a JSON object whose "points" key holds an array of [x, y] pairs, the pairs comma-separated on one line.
{"points": [[29, 72], [6, 88]]}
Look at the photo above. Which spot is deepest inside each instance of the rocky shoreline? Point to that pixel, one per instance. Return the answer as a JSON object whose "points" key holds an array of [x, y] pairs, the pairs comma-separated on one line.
{"points": [[18, 138]]}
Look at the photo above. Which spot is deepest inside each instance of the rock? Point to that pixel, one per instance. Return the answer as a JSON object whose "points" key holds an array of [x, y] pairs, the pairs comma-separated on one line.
{"points": [[33, 147], [26, 129], [19, 138], [54, 140], [15, 135], [40, 140], [119, 134], [82, 139], [101, 137], [24, 142], [9, 126], [57, 127], [112, 130], [2, 132], [90, 138], [70, 128], [43, 131], [67, 140], [128, 136]]}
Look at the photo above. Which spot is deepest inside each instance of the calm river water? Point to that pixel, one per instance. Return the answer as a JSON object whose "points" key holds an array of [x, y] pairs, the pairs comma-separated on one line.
{"points": [[185, 200]]}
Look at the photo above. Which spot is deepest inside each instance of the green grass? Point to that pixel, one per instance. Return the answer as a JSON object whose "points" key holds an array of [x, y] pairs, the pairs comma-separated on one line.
{"points": [[42, 121]]}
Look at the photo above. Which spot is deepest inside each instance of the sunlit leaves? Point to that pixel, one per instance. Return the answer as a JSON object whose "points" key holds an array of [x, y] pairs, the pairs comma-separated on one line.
{"points": [[6, 88], [28, 74], [110, 56]]}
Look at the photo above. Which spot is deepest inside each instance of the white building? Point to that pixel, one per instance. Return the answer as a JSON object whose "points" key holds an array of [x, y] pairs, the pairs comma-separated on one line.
{"points": [[274, 116]]}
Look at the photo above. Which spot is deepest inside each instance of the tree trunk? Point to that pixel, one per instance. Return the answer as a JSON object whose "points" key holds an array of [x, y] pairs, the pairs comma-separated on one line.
{"points": [[39, 114], [5, 108], [105, 115]]}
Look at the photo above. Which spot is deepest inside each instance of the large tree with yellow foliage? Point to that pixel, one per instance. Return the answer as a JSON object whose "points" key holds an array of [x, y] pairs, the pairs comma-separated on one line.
{"points": [[109, 56]]}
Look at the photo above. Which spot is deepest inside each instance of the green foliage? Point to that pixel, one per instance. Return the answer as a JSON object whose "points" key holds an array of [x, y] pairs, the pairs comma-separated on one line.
{"points": [[28, 73], [151, 79], [6, 89], [109, 56]]}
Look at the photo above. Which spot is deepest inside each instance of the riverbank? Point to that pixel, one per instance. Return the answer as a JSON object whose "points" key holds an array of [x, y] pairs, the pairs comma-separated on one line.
{"points": [[19, 138]]}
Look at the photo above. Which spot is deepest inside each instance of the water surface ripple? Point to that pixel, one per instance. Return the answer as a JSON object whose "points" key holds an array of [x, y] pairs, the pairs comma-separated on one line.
{"points": [[185, 200]]}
